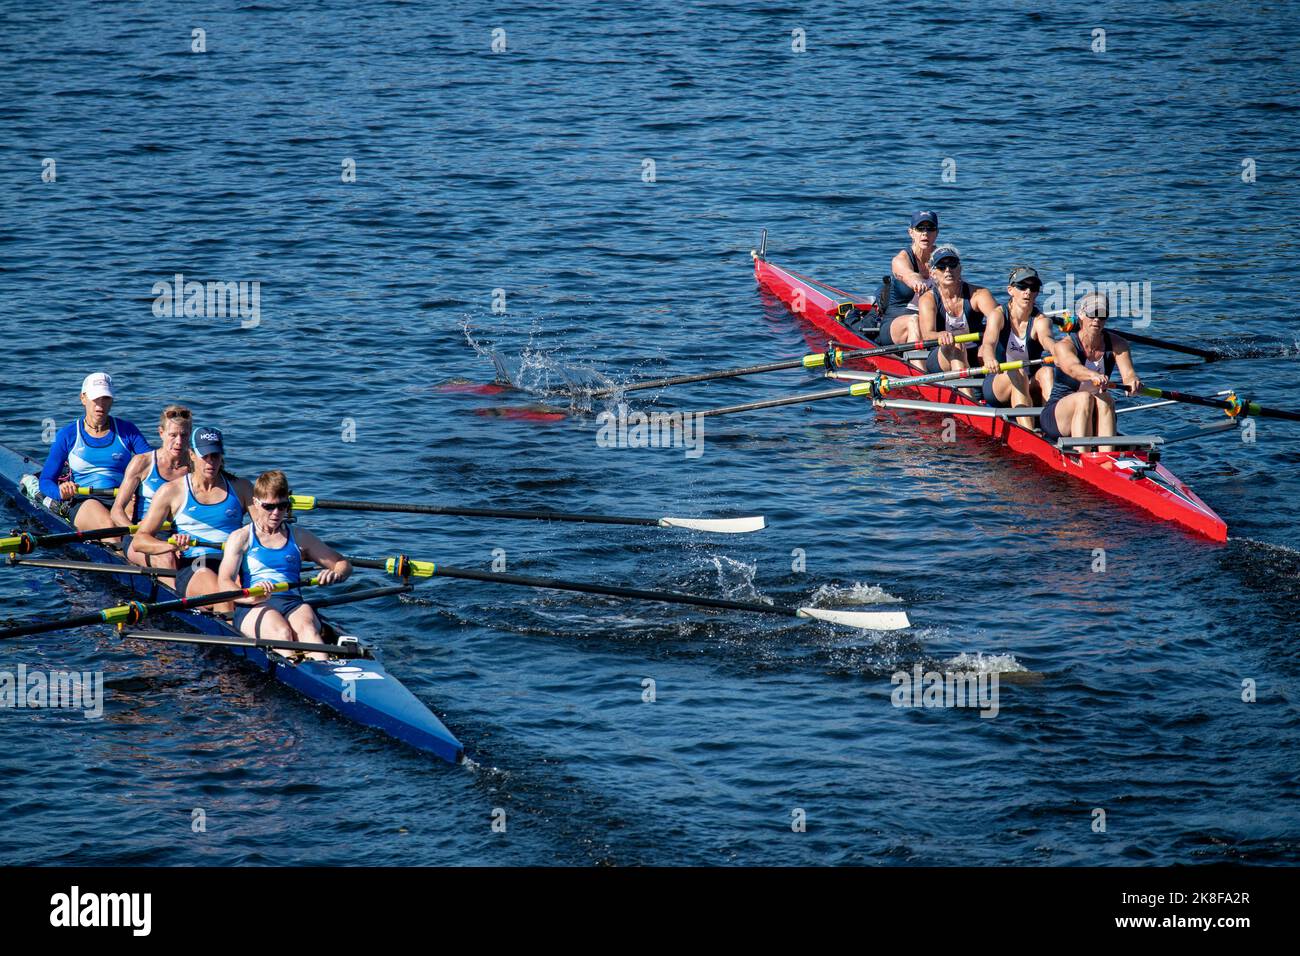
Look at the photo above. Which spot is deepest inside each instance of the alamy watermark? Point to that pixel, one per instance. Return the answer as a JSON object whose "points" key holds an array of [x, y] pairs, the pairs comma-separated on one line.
{"points": [[975, 689], [621, 428], [1128, 300], [57, 690], [208, 300]]}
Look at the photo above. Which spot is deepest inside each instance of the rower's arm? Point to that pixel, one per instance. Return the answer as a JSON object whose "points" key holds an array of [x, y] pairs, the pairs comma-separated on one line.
{"points": [[317, 551], [146, 539], [243, 491], [1125, 363], [902, 267], [992, 331], [1068, 362], [127, 489], [232, 559], [1043, 332], [55, 461], [928, 317]]}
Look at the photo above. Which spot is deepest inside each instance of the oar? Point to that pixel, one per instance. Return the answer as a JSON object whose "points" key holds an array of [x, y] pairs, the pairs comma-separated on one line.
{"points": [[137, 611], [1069, 323], [831, 357], [404, 567], [334, 650], [27, 543], [722, 525], [1232, 404], [873, 388], [85, 492]]}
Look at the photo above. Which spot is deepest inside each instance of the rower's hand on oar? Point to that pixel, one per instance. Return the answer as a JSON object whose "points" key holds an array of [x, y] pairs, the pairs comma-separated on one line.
{"points": [[327, 576], [944, 338], [68, 489], [1134, 386], [919, 285], [991, 368], [180, 542]]}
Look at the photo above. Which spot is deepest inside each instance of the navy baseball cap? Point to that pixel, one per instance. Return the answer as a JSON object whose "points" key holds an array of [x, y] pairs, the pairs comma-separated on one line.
{"points": [[942, 253], [925, 215], [206, 441]]}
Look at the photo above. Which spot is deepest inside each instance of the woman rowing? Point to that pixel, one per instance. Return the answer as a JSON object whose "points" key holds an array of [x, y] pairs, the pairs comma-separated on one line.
{"points": [[270, 550], [953, 307], [1018, 332], [146, 475], [1079, 405], [92, 452], [909, 279], [207, 506]]}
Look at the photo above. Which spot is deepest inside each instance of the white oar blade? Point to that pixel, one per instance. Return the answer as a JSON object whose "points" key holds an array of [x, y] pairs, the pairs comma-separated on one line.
{"points": [[720, 525], [873, 620]]}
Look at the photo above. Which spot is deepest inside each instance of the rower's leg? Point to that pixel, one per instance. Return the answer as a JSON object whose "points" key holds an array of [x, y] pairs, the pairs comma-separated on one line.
{"points": [[267, 623], [92, 515], [1041, 386], [204, 581], [167, 560], [1078, 414], [1105, 419], [906, 328], [1018, 394], [306, 628]]}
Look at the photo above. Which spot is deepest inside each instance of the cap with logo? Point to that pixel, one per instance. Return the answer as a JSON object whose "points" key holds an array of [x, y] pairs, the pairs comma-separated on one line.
{"points": [[97, 385], [944, 252], [1094, 305], [1024, 274], [207, 441], [925, 215]]}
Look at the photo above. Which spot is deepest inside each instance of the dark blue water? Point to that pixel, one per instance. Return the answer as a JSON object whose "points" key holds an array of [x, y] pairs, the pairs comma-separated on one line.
{"points": [[522, 171]]}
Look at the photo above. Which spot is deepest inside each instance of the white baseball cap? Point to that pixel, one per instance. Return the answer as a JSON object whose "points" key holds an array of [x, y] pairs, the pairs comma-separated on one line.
{"points": [[97, 385]]}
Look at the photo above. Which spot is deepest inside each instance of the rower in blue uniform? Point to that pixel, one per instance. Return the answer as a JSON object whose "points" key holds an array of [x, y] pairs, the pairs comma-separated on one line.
{"points": [[206, 505], [1080, 404], [270, 550], [953, 307], [908, 279], [1018, 332], [147, 474], [92, 452]]}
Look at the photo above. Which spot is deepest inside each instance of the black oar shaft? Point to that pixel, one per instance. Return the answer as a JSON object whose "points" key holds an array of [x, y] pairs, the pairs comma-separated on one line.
{"points": [[700, 377], [776, 402], [93, 566], [1248, 408], [339, 504], [1208, 354], [26, 543], [370, 593], [556, 584], [132, 613]]}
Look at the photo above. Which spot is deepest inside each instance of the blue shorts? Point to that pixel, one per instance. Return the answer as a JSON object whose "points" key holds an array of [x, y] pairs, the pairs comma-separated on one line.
{"points": [[932, 360], [1047, 421], [185, 568], [285, 603]]}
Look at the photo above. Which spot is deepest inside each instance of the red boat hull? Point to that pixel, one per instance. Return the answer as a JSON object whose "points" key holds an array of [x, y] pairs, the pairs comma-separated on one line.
{"points": [[1163, 495]]}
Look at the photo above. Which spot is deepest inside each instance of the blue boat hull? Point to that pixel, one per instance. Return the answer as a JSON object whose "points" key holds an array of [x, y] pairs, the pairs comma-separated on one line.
{"points": [[359, 689]]}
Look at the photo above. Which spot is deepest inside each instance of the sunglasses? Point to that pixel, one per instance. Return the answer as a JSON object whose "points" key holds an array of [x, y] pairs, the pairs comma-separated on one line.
{"points": [[1028, 286], [948, 264], [926, 227], [1095, 318], [275, 505]]}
